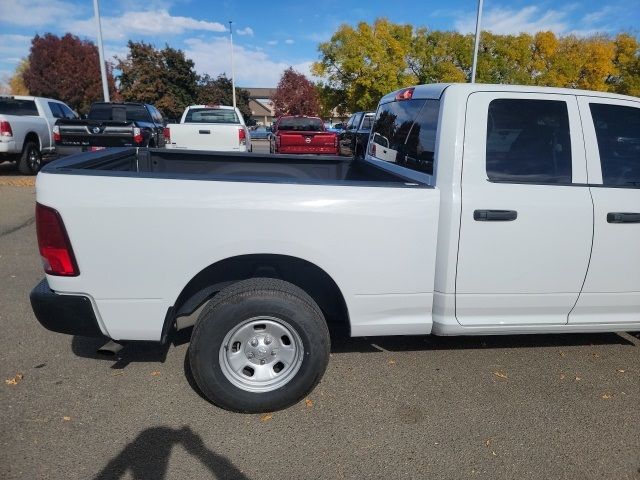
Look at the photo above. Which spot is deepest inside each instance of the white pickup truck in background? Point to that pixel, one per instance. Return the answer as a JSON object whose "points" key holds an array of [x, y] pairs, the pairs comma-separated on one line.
{"points": [[489, 209], [209, 127], [26, 129]]}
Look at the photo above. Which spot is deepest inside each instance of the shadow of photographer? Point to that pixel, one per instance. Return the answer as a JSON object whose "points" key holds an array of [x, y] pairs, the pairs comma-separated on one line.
{"points": [[147, 456]]}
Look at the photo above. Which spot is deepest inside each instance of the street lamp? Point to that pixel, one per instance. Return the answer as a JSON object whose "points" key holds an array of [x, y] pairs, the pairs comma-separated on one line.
{"points": [[476, 43], [233, 75], [103, 68]]}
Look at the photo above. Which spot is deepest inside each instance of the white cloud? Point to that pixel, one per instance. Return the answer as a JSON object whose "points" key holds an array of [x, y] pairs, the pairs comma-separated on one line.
{"points": [[272, 42], [37, 13], [14, 47], [253, 68], [288, 41], [245, 31], [149, 22], [507, 21]]}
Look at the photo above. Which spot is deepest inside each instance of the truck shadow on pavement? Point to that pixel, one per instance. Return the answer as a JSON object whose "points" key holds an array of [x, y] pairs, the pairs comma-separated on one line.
{"points": [[147, 456]]}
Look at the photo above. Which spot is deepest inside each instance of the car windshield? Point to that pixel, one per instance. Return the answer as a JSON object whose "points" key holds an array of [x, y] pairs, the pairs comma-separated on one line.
{"points": [[118, 112], [211, 115], [301, 124]]}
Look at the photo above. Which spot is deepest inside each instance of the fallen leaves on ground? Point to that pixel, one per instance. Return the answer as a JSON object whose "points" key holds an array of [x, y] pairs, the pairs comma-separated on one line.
{"points": [[562, 376], [578, 378], [155, 373], [391, 362], [66, 419], [500, 375], [18, 181], [266, 417], [620, 370], [607, 396], [308, 402], [15, 380]]}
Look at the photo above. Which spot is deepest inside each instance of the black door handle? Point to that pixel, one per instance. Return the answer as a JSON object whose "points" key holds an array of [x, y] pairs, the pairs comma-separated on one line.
{"points": [[495, 215], [204, 131], [623, 217]]}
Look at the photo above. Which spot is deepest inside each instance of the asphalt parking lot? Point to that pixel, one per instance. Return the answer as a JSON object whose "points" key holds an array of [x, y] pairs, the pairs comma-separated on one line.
{"points": [[538, 407]]}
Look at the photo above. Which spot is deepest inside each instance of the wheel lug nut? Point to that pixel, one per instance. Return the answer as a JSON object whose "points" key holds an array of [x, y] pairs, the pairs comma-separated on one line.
{"points": [[250, 355], [274, 353], [267, 340], [254, 342], [262, 361]]}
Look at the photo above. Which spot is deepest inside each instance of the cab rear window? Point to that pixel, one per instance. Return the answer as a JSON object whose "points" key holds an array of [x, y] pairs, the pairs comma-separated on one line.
{"points": [[404, 132], [301, 124], [211, 115], [14, 106]]}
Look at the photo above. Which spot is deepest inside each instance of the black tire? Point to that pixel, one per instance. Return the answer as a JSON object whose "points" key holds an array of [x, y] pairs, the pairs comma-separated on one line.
{"points": [[236, 304], [30, 160]]}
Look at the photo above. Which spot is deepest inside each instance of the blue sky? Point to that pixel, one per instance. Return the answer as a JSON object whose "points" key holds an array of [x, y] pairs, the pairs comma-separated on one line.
{"points": [[271, 35]]}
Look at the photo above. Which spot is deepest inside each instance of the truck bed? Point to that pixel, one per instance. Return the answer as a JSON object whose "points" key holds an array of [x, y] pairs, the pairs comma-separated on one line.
{"points": [[228, 166]]}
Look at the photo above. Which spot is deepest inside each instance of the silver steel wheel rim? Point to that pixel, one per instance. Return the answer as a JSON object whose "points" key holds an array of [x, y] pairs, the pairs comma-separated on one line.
{"points": [[261, 354]]}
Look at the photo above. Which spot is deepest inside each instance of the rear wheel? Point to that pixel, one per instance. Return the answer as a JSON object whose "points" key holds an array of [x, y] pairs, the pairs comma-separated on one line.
{"points": [[31, 159], [260, 345]]}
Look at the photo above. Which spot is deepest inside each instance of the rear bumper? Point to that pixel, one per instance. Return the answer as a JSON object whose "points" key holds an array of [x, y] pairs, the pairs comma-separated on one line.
{"points": [[63, 151], [70, 314], [8, 147]]}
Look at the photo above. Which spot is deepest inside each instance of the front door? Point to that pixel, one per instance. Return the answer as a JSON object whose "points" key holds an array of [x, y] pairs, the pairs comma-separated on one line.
{"points": [[611, 292], [526, 226]]}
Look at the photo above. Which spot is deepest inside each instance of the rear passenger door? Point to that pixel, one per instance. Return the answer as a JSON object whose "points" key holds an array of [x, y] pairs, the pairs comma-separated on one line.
{"points": [[611, 292], [526, 220], [348, 137]]}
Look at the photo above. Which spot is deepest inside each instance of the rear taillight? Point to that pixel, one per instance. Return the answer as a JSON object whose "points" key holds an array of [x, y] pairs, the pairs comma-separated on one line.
{"points": [[137, 135], [372, 149], [53, 242], [242, 136], [166, 132], [5, 129], [56, 133]]}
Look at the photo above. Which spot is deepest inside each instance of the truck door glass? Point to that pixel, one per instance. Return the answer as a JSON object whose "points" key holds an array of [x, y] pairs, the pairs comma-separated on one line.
{"points": [[56, 111], [618, 134], [404, 132], [528, 141]]}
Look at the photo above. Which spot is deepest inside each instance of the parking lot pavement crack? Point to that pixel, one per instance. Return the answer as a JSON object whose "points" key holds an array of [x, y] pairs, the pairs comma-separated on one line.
{"points": [[17, 227]]}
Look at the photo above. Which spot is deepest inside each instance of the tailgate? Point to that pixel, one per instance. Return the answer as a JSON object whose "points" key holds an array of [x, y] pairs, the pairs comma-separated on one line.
{"points": [[205, 136], [96, 135], [307, 139]]}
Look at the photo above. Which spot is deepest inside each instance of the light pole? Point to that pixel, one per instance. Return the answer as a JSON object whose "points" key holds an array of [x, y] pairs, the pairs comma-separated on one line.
{"points": [[233, 74], [103, 68], [476, 43]]}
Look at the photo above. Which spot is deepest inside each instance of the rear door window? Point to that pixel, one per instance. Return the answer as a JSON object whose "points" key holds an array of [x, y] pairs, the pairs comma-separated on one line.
{"points": [[618, 134], [56, 111], [528, 141], [68, 113], [404, 132]]}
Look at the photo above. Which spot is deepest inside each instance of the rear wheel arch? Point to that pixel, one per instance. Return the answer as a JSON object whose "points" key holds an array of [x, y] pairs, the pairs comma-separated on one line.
{"points": [[309, 277]]}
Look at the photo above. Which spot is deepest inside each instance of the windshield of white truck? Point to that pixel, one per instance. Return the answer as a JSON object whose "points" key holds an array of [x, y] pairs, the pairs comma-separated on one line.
{"points": [[13, 106], [119, 112], [211, 115], [404, 132], [301, 124]]}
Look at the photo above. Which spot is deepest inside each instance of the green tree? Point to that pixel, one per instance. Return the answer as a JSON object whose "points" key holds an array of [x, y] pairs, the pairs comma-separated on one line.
{"points": [[366, 62], [165, 78], [218, 91], [16, 81]]}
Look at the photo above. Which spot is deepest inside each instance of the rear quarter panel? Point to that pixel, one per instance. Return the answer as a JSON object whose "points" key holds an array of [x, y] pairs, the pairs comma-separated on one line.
{"points": [[138, 242]]}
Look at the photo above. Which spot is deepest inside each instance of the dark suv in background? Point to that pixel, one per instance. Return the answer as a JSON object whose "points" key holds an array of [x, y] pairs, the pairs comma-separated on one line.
{"points": [[353, 140]]}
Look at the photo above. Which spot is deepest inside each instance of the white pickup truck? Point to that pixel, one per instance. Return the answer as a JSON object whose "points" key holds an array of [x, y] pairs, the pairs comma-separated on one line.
{"points": [[504, 210], [26, 129], [209, 127]]}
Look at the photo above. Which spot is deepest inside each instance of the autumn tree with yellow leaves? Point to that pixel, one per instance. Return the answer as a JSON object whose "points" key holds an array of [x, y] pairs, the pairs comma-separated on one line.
{"points": [[361, 64]]}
